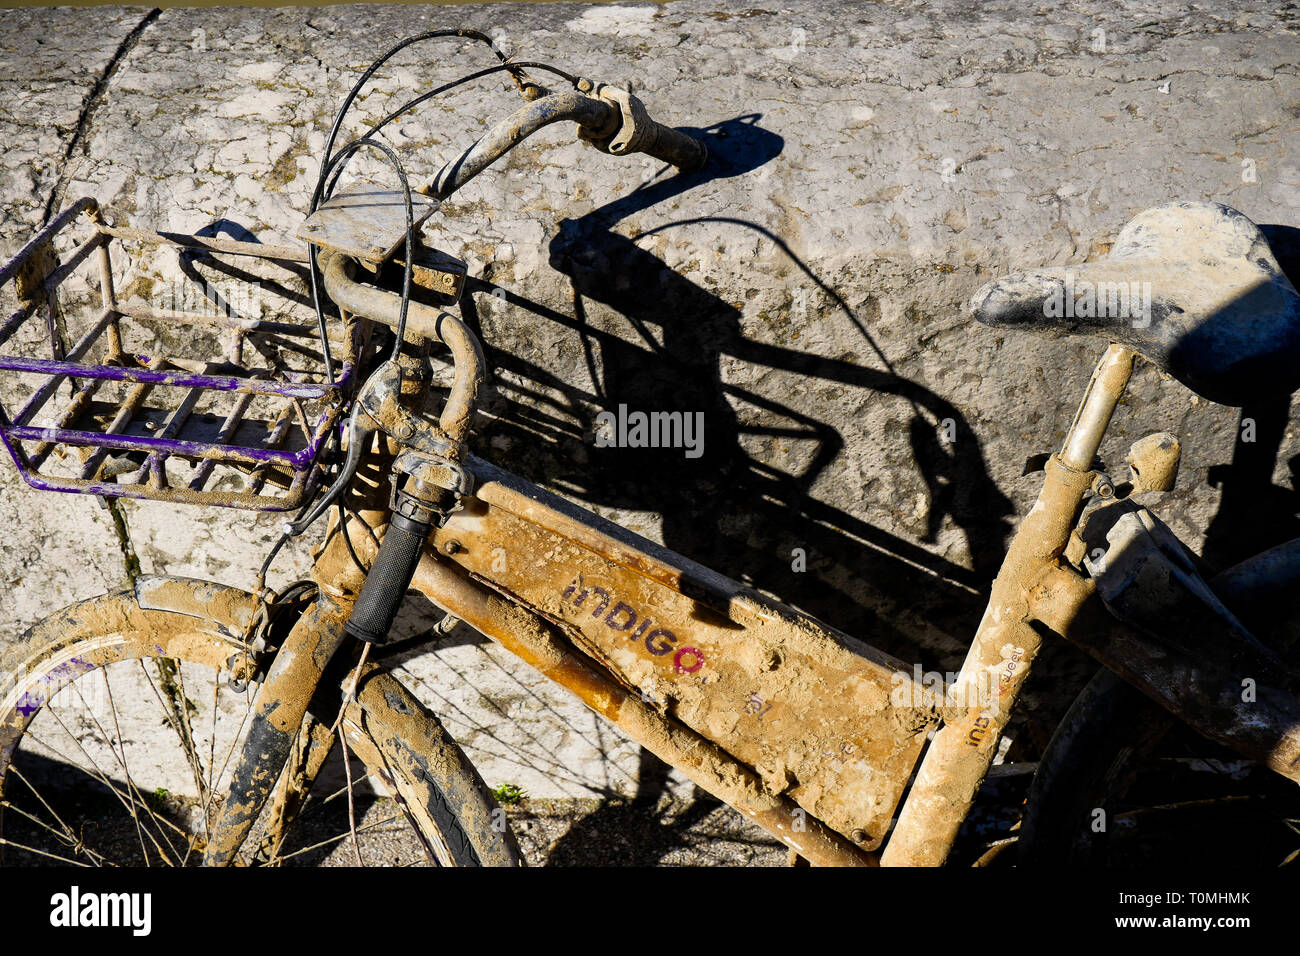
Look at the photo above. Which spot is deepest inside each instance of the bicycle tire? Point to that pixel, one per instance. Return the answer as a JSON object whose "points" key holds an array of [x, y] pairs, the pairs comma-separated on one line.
{"points": [[450, 812]]}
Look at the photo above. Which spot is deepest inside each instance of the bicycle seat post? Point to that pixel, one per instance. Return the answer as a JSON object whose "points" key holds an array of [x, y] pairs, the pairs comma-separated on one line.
{"points": [[1109, 379], [1007, 641]]}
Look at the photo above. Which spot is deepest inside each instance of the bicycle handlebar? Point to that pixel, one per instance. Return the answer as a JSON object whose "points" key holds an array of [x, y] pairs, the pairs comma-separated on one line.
{"points": [[388, 579], [613, 121], [674, 147]]}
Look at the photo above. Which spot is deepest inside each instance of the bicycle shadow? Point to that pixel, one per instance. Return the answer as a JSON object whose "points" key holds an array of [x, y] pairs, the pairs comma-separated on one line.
{"points": [[654, 340], [728, 507]]}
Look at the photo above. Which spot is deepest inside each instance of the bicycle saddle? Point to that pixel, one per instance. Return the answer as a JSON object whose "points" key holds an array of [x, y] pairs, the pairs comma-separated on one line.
{"points": [[1193, 286]]}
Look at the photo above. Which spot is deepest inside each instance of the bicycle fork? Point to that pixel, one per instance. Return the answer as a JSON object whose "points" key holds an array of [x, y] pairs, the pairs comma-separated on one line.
{"points": [[300, 663], [278, 714]]}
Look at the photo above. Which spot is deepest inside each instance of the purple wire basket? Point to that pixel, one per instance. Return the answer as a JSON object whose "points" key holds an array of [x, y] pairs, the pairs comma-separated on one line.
{"points": [[212, 405]]}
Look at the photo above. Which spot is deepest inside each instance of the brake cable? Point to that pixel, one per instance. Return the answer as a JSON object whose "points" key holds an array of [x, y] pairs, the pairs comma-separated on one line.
{"points": [[469, 77], [325, 184], [331, 170]]}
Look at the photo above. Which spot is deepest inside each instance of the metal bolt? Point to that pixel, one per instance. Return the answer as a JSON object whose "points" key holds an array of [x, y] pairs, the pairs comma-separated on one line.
{"points": [[403, 430], [453, 547], [858, 836], [242, 668]]}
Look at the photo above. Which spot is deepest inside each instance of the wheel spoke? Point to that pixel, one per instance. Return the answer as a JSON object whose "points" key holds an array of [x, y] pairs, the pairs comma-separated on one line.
{"points": [[32, 849], [95, 858], [98, 774], [352, 819], [1183, 805], [366, 828], [104, 785], [176, 710], [125, 799], [212, 751], [109, 740], [234, 740], [130, 781], [59, 820]]}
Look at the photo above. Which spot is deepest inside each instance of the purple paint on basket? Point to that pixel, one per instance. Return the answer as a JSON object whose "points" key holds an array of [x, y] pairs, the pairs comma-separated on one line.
{"points": [[289, 385], [197, 449]]}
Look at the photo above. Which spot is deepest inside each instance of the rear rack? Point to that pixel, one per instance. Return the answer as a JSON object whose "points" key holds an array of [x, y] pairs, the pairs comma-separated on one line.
{"points": [[215, 406]]}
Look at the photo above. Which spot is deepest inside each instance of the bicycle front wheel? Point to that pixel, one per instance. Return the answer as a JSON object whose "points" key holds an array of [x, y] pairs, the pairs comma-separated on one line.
{"points": [[120, 728]]}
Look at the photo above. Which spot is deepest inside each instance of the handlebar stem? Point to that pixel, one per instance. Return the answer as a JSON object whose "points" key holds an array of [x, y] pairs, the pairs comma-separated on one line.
{"points": [[385, 307]]}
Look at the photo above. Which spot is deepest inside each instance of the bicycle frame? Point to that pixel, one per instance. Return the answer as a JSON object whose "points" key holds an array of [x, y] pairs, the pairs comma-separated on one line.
{"points": [[807, 731], [560, 588]]}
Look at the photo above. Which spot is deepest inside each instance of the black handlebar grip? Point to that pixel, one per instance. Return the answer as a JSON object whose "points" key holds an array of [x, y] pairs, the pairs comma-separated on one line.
{"points": [[675, 148], [389, 577]]}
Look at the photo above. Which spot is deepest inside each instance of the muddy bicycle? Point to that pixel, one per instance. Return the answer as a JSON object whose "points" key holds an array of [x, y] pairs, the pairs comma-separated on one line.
{"points": [[828, 744]]}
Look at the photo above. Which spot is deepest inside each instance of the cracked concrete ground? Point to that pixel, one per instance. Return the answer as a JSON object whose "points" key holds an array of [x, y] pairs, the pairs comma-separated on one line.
{"points": [[874, 165]]}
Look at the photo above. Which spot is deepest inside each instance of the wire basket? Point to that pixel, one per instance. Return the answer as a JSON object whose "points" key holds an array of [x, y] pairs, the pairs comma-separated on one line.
{"points": [[208, 405]]}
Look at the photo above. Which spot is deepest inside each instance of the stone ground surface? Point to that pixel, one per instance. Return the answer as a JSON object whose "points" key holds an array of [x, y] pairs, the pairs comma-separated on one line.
{"points": [[874, 164], [687, 831]]}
